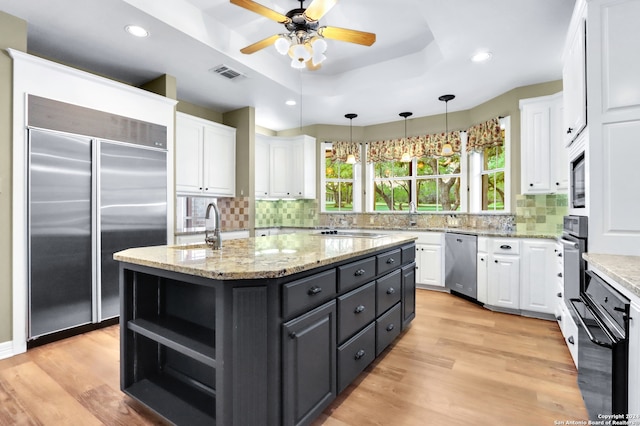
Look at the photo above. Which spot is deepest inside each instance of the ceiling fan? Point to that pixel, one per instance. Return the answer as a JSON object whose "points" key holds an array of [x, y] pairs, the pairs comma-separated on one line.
{"points": [[304, 40]]}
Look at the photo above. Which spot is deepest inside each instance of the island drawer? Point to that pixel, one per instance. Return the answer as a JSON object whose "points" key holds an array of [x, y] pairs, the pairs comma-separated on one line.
{"points": [[408, 253], [388, 261], [356, 309], [388, 291], [355, 355], [388, 328], [353, 274], [302, 295]]}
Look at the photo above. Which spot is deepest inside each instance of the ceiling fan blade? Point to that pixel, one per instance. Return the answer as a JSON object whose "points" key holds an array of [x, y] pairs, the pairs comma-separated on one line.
{"points": [[252, 48], [262, 10], [318, 8], [352, 36]]}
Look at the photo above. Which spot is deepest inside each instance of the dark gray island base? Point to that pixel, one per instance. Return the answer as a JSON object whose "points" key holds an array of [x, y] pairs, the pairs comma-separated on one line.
{"points": [[259, 351]]}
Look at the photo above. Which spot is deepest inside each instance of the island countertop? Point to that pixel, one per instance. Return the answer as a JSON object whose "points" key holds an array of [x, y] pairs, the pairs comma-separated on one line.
{"points": [[263, 257]]}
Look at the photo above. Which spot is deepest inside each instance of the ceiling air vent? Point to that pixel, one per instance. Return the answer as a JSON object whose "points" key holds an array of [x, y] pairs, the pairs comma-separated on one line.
{"points": [[226, 72]]}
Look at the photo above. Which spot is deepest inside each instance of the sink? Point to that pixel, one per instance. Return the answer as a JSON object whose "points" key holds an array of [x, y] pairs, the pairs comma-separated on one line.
{"points": [[349, 234]]}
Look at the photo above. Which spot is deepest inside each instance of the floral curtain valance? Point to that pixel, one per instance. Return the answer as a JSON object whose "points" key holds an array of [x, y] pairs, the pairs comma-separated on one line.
{"points": [[342, 149], [416, 146], [484, 135]]}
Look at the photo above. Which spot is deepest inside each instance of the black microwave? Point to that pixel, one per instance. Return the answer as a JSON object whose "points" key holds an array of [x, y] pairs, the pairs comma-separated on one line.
{"points": [[578, 183]]}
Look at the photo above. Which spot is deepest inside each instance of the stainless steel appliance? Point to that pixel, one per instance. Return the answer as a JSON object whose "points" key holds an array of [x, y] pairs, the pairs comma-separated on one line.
{"points": [[603, 355], [578, 182], [460, 264], [574, 242], [87, 199]]}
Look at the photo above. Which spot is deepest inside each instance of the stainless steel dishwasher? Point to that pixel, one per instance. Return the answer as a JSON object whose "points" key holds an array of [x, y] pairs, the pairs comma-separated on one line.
{"points": [[460, 264]]}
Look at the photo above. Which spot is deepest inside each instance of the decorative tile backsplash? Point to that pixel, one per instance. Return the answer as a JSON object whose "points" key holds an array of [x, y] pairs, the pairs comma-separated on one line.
{"points": [[291, 213], [541, 213], [234, 213]]}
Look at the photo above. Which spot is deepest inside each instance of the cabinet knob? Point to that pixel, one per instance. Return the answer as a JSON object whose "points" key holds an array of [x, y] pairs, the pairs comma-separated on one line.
{"points": [[559, 317], [390, 261], [359, 272], [292, 335], [570, 340], [314, 290], [391, 290], [482, 259], [496, 261], [530, 184], [559, 294], [200, 188], [390, 327], [359, 309], [559, 274], [557, 183], [359, 354], [505, 247], [569, 130]]}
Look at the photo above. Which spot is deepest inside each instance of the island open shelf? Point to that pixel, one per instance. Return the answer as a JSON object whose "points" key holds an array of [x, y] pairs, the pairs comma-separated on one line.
{"points": [[202, 343]]}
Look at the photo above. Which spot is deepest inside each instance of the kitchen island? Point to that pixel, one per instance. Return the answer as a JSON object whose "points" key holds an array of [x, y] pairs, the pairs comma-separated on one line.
{"points": [[264, 331]]}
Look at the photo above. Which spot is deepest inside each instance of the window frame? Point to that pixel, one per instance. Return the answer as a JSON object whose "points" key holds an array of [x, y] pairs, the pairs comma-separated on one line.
{"points": [[356, 182]]}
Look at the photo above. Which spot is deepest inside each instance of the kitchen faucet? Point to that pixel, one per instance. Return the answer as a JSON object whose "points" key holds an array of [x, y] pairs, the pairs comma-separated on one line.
{"points": [[214, 240]]}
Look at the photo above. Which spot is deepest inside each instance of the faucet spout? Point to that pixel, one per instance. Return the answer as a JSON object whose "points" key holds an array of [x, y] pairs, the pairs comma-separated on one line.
{"points": [[214, 241]]}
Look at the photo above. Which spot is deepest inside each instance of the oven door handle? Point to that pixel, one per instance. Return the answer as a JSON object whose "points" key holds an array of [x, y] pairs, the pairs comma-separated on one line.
{"points": [[571, 244], [584, 326]]}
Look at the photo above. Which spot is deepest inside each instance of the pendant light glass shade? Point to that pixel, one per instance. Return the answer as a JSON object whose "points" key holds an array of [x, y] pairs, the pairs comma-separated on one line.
{"points": [[351, 159], [447, 149], [406, 157], [282, 45]]}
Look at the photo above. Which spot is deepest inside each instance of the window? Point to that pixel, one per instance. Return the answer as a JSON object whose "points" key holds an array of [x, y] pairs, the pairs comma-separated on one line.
{"points": [[341, 185], [438, 183], [391, 189], [493, 196]]}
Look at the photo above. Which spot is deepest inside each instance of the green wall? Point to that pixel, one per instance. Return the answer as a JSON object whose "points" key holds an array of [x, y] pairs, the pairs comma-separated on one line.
{"points": [[13, 34]]}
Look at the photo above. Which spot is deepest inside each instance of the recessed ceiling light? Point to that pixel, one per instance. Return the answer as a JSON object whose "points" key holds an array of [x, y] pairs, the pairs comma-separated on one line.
{"points": [[290, 102], [136, 30], [481, 57]]}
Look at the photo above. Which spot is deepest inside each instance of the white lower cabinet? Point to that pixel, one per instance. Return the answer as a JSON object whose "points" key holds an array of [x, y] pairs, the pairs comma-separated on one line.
{"points": [[504, 281], [482, 277], [537, 283], [429, 259], [634, 359], [569, 331]]}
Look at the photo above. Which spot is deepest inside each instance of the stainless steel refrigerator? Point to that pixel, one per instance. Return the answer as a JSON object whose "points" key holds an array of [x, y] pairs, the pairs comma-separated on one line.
{"points": [[88, 198]]}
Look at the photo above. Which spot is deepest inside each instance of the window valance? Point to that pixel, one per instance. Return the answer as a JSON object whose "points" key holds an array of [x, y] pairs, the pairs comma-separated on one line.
{"points": [[484, 135], [342, 149], [416, 146]]}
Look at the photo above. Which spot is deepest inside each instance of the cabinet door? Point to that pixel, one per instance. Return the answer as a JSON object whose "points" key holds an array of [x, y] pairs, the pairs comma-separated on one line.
{"points": [[481, 265], [219, 161], [280, 170], [538, 283], [262, 167], [559, 152], [504, 281], [408, 294], [429, 265], [536, 139], [574, 85], [309, 372], [634, 359], [189, 138]]}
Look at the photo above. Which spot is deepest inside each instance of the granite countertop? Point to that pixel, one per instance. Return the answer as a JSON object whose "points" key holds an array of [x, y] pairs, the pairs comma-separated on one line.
{"points": [[201, 230], [625, 270], [263, 257]]}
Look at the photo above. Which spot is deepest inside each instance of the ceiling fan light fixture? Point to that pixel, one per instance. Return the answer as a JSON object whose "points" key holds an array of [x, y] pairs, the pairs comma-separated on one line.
{"points": [[282, 45], [317, 58], [319, 45]]}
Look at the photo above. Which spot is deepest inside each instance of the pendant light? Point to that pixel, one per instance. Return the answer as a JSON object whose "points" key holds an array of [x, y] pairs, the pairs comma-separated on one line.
{"points": [[351, 159], [406, 157], [447, 149]]}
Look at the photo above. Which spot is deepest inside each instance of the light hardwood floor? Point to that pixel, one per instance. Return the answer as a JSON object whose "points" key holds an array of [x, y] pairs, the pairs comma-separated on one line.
{"points": [[458, 364]]}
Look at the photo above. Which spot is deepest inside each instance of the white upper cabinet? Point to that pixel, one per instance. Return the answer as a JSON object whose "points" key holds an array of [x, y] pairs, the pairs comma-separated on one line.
{"points": [[574, 77], [205, 157], [288, 168], [544, 163]]}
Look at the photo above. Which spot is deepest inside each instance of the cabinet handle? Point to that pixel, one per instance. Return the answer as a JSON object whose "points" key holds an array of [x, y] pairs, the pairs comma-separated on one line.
{"points": [[559, 294], [557, 183], [200, 188], [292, 335], [570, 340], [559, 254], [559, 318], [559, 274], [359, 354], [569, 130], [314, 290], [391, 290], [390, 327], [359, 272], [505, 247], [390, 261], [530, 184], [496, 261], [359, 309]]}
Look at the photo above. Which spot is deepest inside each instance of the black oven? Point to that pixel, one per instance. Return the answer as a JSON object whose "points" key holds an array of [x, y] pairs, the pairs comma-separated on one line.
{"points": [[574, 244], [603, 354], [577, 180]]}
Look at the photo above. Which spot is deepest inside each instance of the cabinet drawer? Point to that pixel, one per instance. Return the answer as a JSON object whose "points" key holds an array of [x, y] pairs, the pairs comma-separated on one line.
{"points": [[505, 246], [353, 274], [388, 261], [408, 253], [355, 355], [356, 309], [388, 291], [388, 328], [302, 295]]}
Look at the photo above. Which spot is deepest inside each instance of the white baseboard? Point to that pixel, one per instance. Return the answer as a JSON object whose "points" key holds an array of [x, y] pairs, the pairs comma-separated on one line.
{"points": [[6, 350]]}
